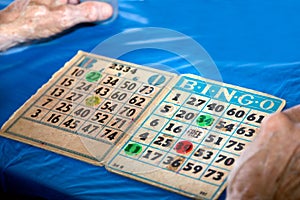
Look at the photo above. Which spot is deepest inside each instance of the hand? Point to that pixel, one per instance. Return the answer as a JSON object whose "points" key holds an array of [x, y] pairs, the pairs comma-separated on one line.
{"points": [[26, 20], [270, 167]]}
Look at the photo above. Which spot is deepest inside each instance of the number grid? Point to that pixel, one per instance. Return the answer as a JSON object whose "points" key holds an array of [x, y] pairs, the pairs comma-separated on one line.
{"points": [[85, 94], [56, 106], [212, 165]]}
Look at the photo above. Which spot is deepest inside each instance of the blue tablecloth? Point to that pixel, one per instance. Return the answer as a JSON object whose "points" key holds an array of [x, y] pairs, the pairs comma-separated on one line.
{"points": [[255, 44]]}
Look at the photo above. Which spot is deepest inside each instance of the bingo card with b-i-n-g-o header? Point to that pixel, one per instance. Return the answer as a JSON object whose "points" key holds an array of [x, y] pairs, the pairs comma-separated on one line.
{"points": [[181, 133]]}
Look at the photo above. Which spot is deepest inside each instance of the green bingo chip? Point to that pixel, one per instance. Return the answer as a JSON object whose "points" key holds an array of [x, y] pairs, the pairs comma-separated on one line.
{"points": [[205, 120], [93, 76], [133, 149]]}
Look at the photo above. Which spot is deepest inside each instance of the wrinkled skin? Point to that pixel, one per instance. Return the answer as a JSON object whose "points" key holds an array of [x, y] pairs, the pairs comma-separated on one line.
{"points": [[270, 167], [26, 20]]}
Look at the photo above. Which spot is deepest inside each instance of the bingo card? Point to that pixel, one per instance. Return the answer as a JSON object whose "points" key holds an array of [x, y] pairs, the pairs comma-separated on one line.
{"points": [[193, 137], [181, 133], [86, 107]]}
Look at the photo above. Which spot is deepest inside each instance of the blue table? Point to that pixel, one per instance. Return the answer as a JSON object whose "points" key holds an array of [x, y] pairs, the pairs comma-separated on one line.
{"points": [[254, 44]]}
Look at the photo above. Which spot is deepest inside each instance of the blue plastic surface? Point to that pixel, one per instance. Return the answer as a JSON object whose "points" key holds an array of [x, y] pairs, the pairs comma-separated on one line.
{"points": [[255, 44]]}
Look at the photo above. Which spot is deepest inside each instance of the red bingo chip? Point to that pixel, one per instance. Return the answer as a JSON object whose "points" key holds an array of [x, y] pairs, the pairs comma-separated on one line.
{"points": [[184, 147]]}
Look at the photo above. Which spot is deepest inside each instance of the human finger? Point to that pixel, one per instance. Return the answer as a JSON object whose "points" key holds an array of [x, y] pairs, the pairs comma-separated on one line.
{"points": [[95, 11], [84, 12]]}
